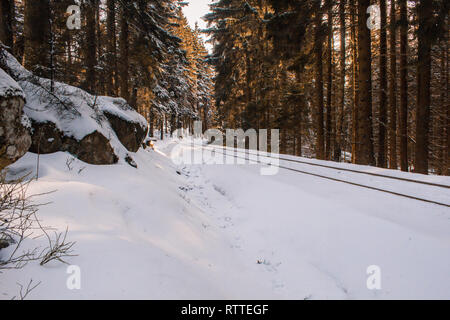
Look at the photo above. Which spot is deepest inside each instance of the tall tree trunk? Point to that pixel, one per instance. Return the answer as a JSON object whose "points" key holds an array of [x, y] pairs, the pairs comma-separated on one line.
{"points": [[442, 127], [205, 110], [318, 50], [6, 23], [124, 51], [364, 147], [133, 99], [355, 80], [382, 117], [90, 46], [98, 31], [447, 125], [298, 133], [340, 113], [393, 89], [37, 36], [284, 112], [111, 78], [63, 39], [329, 116], [403, 118], [299, 119], [425, 16], [173, 123], [69, 59], [151, 120]]}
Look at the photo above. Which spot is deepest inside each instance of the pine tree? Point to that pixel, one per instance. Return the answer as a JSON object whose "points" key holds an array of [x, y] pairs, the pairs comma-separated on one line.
{"points": [[318, 50], [90, 46], [403, 111], [37, 36], [342, 65], [111, 72], [7, 13], [382, 121], [364, 144], [424, 34], [123, 67], [355, 78], [329, 128]]}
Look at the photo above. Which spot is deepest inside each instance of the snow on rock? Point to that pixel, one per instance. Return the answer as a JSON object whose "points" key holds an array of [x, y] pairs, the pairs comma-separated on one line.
{"points": [[8, 87], [65, 116], [130, 127], [120, 108]]}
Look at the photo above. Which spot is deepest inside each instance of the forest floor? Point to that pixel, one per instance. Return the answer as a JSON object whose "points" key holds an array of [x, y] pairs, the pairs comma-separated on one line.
{"points": [[167, 231]]}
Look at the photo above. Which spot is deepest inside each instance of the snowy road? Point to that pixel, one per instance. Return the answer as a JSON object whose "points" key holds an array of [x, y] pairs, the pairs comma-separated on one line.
{"points": [[315, 238], [225, 231]]}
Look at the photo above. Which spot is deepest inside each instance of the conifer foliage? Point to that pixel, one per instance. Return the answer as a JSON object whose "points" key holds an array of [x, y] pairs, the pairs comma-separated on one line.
{"points": [[350, 80], [141, 50]]}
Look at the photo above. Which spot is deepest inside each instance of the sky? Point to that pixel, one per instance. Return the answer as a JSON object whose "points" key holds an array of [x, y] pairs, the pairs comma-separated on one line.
{"points": [[195, 11]]}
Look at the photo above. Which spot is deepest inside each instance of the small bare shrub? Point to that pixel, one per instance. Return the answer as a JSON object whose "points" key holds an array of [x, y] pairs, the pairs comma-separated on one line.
{"points": [[58, 248], [19, 221], [25, 291]]}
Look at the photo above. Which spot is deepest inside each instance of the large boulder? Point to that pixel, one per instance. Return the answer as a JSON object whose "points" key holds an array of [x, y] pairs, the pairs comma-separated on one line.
{"points": [[94, 148], [14, 136], [130, 134], [130, 127], [46, 138]]}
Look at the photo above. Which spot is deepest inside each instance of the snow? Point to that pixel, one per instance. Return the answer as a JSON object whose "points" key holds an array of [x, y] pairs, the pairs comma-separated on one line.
{"points": [[8, 87], [428, 192], [226, 232], [120, 108], [71, 112]]}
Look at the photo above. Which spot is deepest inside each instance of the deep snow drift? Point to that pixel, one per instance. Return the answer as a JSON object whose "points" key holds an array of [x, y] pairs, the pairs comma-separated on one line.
{"points": [[224, 231]]}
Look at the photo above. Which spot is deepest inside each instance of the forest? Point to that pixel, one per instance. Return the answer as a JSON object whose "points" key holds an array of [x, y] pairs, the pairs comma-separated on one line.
{"points": [[358, 81], [142, 51], [361, 81]]}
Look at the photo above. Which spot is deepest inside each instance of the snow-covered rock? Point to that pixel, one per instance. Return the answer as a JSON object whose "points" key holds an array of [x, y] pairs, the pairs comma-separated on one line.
{"points": [[97, 130], [14, 137], [94, 148], [8, 87], [130, 131]]}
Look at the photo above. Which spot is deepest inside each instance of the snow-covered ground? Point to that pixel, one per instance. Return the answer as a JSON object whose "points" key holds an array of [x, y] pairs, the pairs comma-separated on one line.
{"points": [[225, 231]]}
